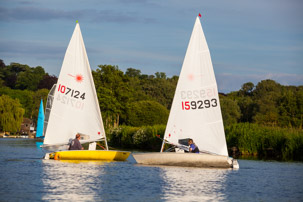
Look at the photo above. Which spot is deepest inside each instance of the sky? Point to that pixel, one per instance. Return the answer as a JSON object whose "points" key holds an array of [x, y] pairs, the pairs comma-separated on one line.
{"points": [[249, 41]]}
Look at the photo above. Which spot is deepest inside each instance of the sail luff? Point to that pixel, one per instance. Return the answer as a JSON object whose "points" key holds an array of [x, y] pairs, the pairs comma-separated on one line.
{"points": [[94, 93]]}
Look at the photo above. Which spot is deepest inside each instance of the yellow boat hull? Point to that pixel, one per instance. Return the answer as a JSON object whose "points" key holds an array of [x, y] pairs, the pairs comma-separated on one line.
{"points": [[104, 155]]}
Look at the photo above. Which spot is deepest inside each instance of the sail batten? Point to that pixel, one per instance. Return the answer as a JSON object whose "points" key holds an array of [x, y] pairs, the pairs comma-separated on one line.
{"points": [[195, 111]]}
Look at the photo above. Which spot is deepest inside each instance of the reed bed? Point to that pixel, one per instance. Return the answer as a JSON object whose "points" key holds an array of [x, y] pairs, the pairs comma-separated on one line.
{"points": [[266, 142]]}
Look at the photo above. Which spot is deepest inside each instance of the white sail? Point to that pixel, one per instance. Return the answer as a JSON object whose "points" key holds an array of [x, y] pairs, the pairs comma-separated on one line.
{"points": [[75, 108], [195, 111]]}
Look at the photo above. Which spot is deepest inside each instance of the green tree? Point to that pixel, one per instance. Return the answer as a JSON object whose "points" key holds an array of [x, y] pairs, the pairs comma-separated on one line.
{"points": [[47, 81], [245, 101], [113, 93], [135, 85], [131, 72], [143, 113], [37, 96], [290, 107], [248, 108], [11, 72], [160, 75], [299, 114], [266, 95], [247, 89], [30, 78], [160, 89], [2, 69], [11, 114], [25, 97], [230, 110]]}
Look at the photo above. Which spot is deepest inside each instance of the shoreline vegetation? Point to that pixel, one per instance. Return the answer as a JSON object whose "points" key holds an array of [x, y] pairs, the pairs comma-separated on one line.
{"points": [[265, 142], [244, 140], [263, 120]]}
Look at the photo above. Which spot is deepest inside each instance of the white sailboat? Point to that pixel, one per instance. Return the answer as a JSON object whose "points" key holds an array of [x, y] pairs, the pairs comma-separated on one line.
{"points": [[195, 114], [75, 109]]}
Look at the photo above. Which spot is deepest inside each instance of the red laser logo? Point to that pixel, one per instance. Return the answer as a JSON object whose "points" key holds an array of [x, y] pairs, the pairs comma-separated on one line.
{"points": [[79, 78]]}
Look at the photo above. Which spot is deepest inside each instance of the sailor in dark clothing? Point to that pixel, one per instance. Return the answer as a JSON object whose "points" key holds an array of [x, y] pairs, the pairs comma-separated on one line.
{"points": [[192, 147], [75, 144]]}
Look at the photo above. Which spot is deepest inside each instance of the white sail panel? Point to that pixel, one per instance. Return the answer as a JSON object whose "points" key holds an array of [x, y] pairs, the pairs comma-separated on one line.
{"points": [[195, 111], [75, 106]]}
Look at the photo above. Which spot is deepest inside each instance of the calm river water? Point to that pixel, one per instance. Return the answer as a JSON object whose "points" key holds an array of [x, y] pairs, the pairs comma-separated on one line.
{"points": [[24, 176]]}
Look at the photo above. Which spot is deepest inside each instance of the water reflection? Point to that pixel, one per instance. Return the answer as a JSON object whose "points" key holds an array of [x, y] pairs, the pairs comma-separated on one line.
{"points": [[100, 181], [92, 162], [72, 180], [193, 184], [124, 181]]}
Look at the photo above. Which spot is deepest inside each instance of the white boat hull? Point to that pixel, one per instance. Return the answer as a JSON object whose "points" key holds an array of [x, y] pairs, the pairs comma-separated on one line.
{"points": [[186, 160]]}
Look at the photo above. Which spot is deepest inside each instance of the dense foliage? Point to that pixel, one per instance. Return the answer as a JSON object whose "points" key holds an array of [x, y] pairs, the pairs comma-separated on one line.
{"points": [[133, 98], [145, 137], [144, 113], [270, 104], [11, 114], [29, 100], [257, 118], [23, 77]]}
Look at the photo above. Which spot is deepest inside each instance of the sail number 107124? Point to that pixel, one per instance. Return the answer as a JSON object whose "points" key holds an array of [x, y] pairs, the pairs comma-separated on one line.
{"points": [[71, 92], [200, 104]]}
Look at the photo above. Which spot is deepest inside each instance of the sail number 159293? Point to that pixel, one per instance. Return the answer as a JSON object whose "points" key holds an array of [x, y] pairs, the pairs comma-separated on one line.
{"points": [[200, 104]]}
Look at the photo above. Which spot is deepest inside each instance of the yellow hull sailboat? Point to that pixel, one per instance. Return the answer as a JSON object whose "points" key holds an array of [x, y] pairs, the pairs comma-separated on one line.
{"points": [[104, 155], [73, 108]]}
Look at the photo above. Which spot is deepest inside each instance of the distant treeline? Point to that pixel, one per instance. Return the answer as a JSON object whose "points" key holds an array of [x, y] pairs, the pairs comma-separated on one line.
{"points": [[132, 99], [129, 98]]}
